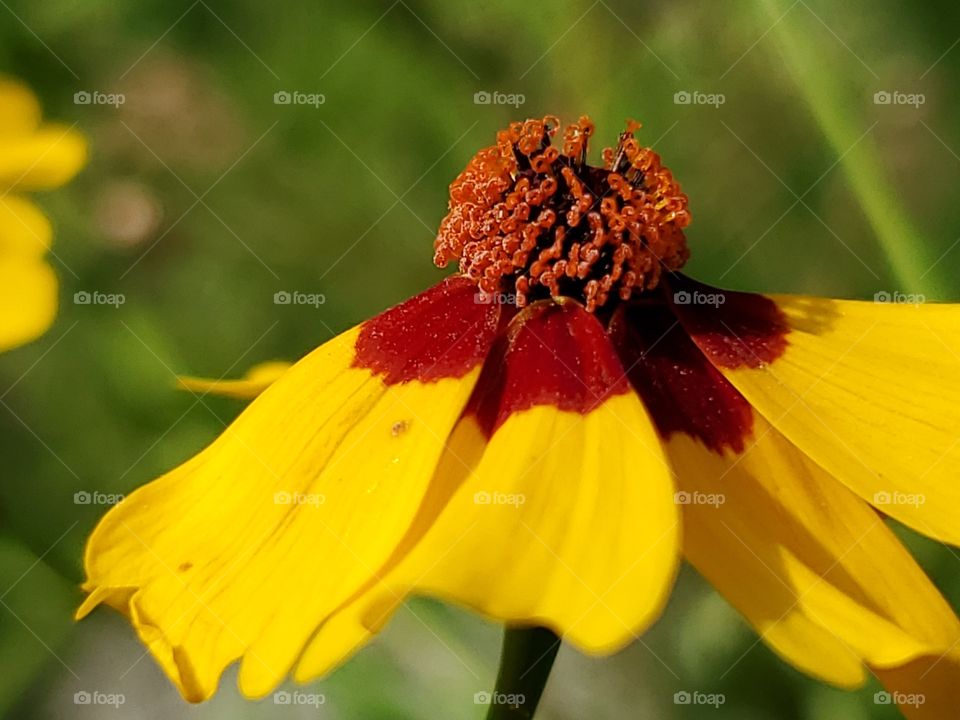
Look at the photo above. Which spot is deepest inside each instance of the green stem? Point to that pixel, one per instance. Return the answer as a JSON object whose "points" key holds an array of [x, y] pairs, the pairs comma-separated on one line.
{"points": [[525, 662]]}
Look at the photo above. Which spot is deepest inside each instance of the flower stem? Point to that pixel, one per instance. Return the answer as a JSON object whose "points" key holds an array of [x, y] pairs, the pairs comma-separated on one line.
{"points": [[902, 242], [525, 662]]}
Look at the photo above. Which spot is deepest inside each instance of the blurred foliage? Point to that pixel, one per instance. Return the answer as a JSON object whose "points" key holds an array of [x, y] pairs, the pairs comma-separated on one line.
{"points": [[204, 198]]}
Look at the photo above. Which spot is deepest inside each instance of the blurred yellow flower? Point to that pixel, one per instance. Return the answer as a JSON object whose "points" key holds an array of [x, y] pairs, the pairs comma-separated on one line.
{"points": [[32, 157]]}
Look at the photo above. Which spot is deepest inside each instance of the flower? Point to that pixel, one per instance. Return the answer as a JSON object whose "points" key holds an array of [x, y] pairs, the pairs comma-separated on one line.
{"points": [[527, 437], [32, 157]]}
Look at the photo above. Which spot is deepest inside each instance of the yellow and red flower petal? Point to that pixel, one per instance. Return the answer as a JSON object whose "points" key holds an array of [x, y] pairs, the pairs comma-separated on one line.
{"points": [[28, 286], [870, 391], [255, 381], [246, 548], [552, 506], [812, 567]]}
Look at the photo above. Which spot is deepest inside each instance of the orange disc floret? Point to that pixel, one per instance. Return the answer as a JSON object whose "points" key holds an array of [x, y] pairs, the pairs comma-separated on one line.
{"points": [[529, 219]]}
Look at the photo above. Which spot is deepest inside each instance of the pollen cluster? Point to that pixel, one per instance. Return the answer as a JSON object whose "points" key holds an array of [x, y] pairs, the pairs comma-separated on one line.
{"points": [[533, 220]]}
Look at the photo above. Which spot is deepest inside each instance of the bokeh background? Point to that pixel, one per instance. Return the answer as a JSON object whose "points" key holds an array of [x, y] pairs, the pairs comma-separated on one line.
{"points": [[204, 197]]}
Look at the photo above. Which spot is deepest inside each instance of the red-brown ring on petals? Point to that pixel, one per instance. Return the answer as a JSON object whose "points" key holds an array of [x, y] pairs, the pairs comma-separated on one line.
{"points": [[553, 354], [445, 331], [733, 329], [681, 389]]}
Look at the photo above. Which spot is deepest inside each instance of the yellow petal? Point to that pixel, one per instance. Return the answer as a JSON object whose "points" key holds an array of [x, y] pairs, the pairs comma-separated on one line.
{"points": [[565, 520], [246, 548], [43, 159], [19, 109], [927, 688], [28, 286], [812, 567], [364, 615], [28, 299], [255, 381], [24, 229], [871, 392]]}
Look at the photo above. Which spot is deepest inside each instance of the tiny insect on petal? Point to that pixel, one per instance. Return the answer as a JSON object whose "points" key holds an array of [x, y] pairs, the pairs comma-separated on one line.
{"points": [[246, 548]]}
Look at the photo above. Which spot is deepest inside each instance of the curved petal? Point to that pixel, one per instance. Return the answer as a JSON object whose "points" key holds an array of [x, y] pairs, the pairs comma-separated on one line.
{"points": [[43, 159], [563, 518], [28, 300], [20, 110], [28, 286], [255, 381], [246, 548], [24, 230], [811, 566], [869, 390]]}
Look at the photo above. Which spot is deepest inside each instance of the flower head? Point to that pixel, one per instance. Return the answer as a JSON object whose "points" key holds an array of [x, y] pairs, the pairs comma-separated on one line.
{"points": [[32, 157], [535, 460], [530, 219]]}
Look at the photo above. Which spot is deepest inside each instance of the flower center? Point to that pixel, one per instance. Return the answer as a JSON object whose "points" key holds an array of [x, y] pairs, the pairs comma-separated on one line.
{"points": [[528, 219]]}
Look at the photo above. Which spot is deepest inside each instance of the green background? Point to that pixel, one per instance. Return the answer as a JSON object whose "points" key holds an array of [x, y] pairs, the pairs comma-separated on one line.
{"points": [[798, 182]]}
